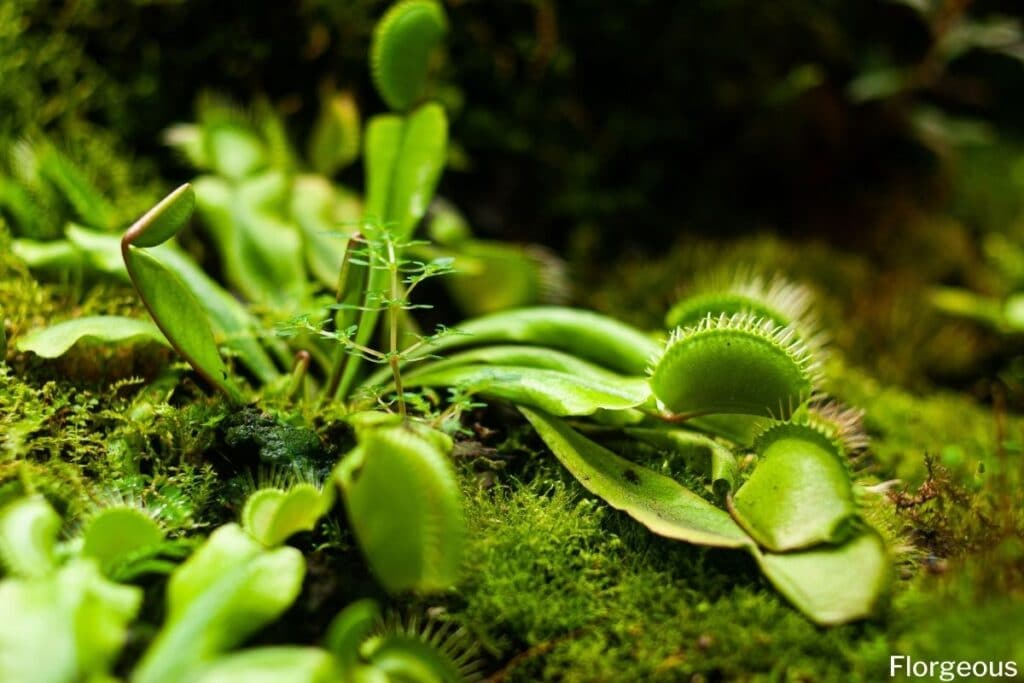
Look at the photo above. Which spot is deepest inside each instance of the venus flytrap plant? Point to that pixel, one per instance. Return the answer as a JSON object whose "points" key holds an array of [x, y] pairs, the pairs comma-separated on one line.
{"points": [[73, 620], [795, 513], [172, 305]]}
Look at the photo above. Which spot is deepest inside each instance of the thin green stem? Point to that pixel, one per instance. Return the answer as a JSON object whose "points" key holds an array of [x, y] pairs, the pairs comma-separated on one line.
{"points": [[393, 310]]}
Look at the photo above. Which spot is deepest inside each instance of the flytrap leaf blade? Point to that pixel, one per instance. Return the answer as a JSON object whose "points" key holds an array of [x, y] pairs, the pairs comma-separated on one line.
{"points": [[658, 502], [180, 317], [404, 160], [56, 340], [553, 391]]}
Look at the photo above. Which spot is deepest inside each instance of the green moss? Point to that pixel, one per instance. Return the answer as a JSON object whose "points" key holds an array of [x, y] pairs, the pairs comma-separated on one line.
{"points": [[562, 588], [962, 435]]}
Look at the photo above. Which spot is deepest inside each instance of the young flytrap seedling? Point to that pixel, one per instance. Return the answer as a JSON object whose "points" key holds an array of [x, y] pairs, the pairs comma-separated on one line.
{"points": [[73, 612]]}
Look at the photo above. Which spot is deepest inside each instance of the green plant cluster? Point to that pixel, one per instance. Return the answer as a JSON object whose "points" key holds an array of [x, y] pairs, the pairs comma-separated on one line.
{"points": [[282, 410]]}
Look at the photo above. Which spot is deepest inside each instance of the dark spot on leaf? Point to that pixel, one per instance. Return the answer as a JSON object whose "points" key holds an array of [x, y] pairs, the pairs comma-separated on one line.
{"points": [[631, 476]]}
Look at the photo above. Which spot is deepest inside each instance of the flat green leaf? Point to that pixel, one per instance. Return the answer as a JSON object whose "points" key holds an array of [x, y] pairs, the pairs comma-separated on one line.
{"points": [[556, 392], [415, 540], [282, 664], [233, 325], [54, 341], [231, 322], [585, 334], [229, 589], [180, 316], [658, 502], [832, 584], [799, 495], [65, 627], [55, 255], [102, 250], [404, 160], [403, 43], [28, 535], [527, 357]]}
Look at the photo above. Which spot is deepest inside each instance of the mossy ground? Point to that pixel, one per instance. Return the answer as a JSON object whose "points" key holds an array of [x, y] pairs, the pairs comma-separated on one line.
{"points": [[558, 586]]}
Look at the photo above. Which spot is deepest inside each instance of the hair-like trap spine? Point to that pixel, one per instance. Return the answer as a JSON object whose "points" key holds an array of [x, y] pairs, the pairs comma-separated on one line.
{"points": [[778, 301]]}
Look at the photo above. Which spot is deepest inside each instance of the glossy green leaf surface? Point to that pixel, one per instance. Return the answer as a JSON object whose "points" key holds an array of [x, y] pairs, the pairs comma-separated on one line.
{"points": [[233, 325], [231, 322], [282, 664], [553, 391], [658, 502], [404, 160], [405, 507], [799, 495], [56, 256], [180, 316], [832, 584], [585, 334], [400, 55], [102, 251], [56, 340], [28, 534], [227, 590], [65, 627], [523, 356]]}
